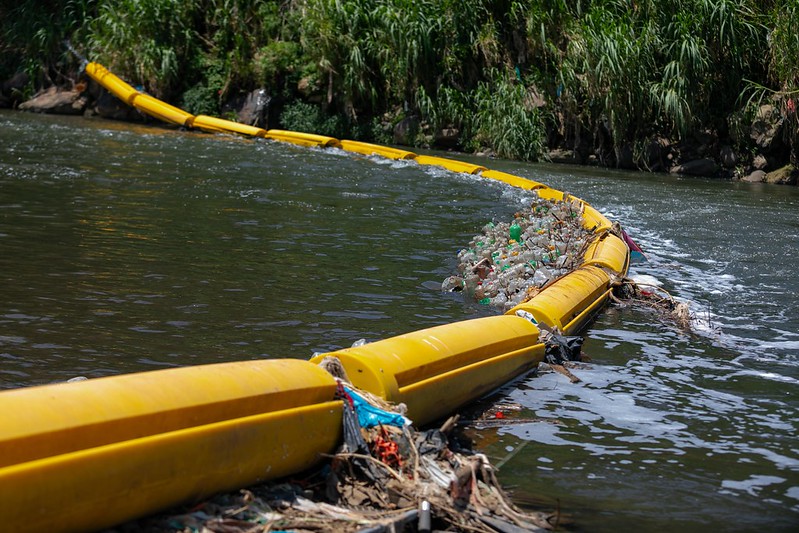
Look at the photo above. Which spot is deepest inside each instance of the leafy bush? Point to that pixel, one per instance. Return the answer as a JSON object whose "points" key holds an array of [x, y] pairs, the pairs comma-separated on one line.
{"points": [[308, 118], [201, 100], [507, 121]]}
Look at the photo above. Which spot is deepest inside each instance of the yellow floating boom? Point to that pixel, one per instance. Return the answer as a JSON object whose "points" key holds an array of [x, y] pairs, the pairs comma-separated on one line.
{"points": [[376, 149], [434, 371], [91, 454]]}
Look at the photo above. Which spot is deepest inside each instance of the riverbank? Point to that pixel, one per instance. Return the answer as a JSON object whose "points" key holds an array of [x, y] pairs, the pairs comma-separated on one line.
{"points": [[704, 155], [697, 87]]}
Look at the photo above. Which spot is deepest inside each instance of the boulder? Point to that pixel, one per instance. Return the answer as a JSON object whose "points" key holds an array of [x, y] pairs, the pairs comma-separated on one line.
{"points": [[560, 155], [447, 137], [109, 106], [12, 89], [56, 101], [697, 167], [405, 131], [728, 157], [766, 130], [783, 176], [758, 176], [255, 109]]}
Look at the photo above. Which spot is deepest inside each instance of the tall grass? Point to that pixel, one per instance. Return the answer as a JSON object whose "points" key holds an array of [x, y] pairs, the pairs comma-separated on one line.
{"points": [[32, 34], [612, 72], [149, 41]]}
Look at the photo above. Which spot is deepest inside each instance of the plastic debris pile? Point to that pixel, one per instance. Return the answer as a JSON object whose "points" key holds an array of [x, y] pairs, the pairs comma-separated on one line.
{"points": [[660, 301], [386, 476], [509, 263]]}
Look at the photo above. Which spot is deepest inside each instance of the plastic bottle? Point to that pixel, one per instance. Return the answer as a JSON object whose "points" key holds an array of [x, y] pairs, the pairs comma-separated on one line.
{"points": [[515, 232]]}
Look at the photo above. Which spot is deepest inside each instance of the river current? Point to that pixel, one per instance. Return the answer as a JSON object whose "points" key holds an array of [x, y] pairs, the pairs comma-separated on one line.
{"points": [[128, 248]]}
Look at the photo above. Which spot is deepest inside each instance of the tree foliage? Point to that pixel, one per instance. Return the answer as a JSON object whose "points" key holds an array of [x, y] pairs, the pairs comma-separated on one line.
{"points": [[609, 71]]}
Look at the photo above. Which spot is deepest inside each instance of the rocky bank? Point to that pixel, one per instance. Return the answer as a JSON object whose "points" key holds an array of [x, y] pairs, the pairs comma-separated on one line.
{"points": [[771, 132]]}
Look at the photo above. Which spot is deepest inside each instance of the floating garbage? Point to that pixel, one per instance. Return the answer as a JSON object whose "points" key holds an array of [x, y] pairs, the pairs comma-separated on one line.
{"points": [[510, 262]]}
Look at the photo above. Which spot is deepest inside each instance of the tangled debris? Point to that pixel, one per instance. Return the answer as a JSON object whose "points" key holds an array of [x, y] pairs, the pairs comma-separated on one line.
{"points": [[386, 476], [655, 298], [509, 263]]}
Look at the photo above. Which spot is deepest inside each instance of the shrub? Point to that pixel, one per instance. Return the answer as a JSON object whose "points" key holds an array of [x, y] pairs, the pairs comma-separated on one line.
{"points": [[308, 118], [201, 100]]}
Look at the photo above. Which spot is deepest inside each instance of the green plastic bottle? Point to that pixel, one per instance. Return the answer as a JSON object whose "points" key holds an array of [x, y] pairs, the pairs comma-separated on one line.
{"points": [[516, 233]]}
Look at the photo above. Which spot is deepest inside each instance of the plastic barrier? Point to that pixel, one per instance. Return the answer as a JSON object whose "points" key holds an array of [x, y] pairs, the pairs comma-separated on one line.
{"points": [[303, 139], [161, 110], [610, 252], [571, 301], [111, 82], [434, 371], [512, 179], [593, 220], [376, 149], [548, 193], [219, 125], [90, 454], [449, 164]]}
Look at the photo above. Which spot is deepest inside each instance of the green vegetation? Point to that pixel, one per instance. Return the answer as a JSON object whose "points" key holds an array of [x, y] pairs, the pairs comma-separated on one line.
{"points": [[598, 76]]}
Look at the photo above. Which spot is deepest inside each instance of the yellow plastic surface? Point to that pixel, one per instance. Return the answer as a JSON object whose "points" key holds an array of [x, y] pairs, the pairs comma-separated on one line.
{"points": [[594, 220], [610, 252], [449, 164], [303, 139], [511, 179], [548, 193], [218, 125], [111, 82], [61, 418], [376, 149], [161, 110], [99, 487], [434, 371], [569, 302]]}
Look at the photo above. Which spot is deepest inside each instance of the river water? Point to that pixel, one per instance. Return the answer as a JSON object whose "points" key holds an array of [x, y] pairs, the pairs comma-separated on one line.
{"points": [[128, 248]]}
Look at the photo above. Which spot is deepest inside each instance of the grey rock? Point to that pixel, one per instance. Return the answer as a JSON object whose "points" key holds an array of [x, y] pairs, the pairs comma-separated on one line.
{"points": [[758, 176], [697, 167], [448, 137], [56, 101], [405, 131], [728, 157], [109, 106], [255, 109]]}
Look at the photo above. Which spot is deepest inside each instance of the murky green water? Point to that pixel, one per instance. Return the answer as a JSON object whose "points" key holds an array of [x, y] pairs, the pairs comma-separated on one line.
{"points": [[127, 248]]}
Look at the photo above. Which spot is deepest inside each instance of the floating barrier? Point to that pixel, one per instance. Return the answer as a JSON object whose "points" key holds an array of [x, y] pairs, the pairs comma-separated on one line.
{"points": [[571, 301], [219, 125], [434, 371], [376, 149], [609, 251], [161, 110], [91, 454], [512, 179], [303, 139], [449, 164], [110, 81], [594, 221]]}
